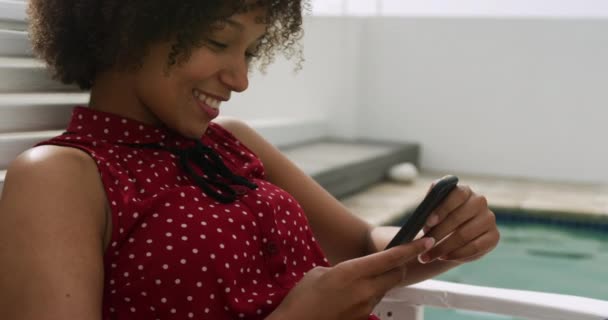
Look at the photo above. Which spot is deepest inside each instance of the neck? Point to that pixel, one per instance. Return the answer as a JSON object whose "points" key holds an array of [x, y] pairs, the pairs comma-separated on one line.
{"points": [[113, 92]]}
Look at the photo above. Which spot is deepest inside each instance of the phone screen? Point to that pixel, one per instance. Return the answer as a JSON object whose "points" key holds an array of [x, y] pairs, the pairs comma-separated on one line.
{"points": [[416, 220]]}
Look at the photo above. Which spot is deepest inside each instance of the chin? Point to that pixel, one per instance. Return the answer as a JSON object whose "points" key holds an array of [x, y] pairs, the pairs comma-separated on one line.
{"points": [[191, 126], [195, 131]]}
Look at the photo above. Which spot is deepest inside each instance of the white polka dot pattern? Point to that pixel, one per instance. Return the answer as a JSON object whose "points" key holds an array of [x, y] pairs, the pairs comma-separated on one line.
{"points": [[175, 252]]}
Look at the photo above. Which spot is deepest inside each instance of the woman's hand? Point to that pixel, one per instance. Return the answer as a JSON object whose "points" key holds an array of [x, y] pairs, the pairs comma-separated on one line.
{"points": [[467, 222], [351, 289]]}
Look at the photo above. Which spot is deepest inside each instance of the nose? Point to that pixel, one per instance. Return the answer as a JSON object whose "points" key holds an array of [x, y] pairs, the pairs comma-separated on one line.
{"points": [[235, 75]]}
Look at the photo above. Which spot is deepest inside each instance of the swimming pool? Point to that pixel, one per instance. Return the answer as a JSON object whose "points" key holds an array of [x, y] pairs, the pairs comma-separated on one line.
{"points": [[541, 254]]}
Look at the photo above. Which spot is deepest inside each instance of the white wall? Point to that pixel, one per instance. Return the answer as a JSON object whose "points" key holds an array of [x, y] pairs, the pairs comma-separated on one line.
{"points": [[519, 97], [513, 97], [468, 8], [496, 8]]}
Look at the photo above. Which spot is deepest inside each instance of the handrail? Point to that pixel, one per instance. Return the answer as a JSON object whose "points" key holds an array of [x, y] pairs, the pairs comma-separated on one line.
{"points": [[520, 303]]}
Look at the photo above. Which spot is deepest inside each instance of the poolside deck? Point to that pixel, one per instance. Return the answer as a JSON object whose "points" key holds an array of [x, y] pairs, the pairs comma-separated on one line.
{"points": [[386, 201], [383, 201]]}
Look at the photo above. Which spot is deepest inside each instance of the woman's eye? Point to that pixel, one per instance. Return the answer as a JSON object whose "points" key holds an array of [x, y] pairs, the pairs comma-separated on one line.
{"points": [[217, 44]]}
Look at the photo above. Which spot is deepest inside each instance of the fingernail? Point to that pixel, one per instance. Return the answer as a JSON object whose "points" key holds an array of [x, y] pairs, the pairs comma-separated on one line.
{"points": [[424, 258], [432, 221], [429, 242]]}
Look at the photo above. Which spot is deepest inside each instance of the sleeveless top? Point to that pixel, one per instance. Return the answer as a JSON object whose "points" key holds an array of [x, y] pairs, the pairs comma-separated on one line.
{"points": [[177, 253]]}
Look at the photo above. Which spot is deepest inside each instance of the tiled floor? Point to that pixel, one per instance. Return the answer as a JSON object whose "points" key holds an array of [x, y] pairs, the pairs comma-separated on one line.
{"points": [[386, 201]]}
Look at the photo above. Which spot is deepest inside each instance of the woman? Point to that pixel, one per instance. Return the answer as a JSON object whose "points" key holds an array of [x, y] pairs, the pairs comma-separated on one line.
{"points": [[146, 208]]}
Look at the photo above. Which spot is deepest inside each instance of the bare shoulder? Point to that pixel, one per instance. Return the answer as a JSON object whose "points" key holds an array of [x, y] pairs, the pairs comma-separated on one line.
{"points": [[44, 176], [243, 132], [51, 156], [47, 170], [52, 220]]}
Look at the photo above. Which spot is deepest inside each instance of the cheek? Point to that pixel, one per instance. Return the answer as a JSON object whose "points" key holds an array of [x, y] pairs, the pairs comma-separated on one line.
{"points": [[162, 91], [160, 87], [200, 67], [155, 91]]}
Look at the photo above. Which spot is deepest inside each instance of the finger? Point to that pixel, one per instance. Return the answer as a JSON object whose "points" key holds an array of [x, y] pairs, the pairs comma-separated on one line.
{"points": [[475, 249], [469, 259], [463, 236], [458, 217], [457, 197], [383, 261], [389, 279]]}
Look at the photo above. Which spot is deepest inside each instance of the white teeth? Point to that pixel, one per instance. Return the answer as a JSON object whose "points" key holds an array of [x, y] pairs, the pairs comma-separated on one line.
{"points": [[214, 103]]}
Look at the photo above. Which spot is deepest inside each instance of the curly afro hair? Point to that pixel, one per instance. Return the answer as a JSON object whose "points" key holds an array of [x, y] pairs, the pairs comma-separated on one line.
{"points": [[80, 38]]}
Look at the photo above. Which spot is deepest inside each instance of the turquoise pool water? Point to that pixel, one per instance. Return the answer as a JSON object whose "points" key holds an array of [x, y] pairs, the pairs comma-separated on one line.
{"points": [[536, 257]]}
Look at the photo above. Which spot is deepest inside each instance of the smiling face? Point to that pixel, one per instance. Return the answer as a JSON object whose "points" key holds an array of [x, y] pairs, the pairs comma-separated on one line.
{"points": [[186, 96]]}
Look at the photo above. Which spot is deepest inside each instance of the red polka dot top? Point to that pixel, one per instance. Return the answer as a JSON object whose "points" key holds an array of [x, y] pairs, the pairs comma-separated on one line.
{"points": [[176, 252]]}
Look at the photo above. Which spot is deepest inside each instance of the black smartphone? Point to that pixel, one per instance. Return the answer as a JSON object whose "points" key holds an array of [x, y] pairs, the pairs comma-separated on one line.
{"points": [[416, 220]]}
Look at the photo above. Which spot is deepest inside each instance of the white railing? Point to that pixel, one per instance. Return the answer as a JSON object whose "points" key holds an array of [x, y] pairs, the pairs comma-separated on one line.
{"points": [[408, 303]]}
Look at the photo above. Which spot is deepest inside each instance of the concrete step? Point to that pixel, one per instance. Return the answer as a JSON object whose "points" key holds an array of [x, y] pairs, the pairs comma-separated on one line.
{"points": [[13, 14], [345, 167], [23, 112], [14, 43], [22, 74]]}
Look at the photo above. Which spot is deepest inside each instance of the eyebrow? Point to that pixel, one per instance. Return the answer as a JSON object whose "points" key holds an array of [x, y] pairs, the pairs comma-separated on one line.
{"points": [[241, 27]]}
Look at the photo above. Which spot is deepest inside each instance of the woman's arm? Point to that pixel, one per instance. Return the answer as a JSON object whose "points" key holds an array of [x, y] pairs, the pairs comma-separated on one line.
{"points": [[52, 218]]}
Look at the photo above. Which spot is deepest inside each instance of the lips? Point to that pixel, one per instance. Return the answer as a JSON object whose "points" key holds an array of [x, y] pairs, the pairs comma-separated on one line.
{"points": [[207, 103]]}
